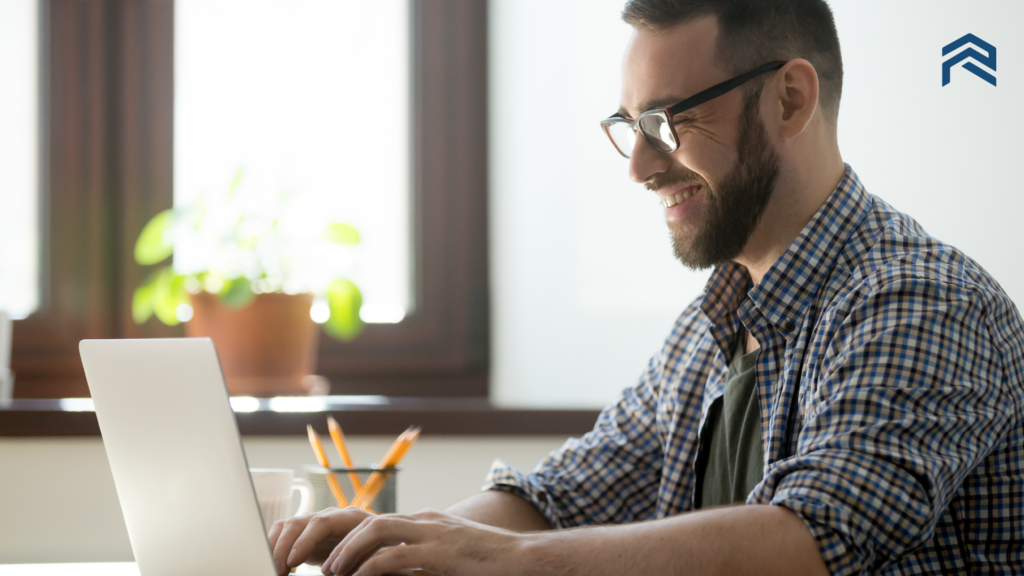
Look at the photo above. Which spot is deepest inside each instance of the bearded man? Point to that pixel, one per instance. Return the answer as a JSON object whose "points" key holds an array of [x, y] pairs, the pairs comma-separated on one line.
{"points": [[845, 397]]}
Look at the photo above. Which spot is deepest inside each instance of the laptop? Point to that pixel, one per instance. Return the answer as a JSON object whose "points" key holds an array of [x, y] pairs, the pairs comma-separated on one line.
{"points": [[176, 457]]}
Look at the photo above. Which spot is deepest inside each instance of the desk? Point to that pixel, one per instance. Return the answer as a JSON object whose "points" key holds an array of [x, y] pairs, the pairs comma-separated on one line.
{"points": [[94, 569]]}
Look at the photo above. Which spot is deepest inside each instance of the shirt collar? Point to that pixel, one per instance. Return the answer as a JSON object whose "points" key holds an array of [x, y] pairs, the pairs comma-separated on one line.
{"points": [[793, 281]]}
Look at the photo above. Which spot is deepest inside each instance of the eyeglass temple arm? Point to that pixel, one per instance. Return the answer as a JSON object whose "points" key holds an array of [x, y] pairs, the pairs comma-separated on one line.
{"points": [[719, 89]]}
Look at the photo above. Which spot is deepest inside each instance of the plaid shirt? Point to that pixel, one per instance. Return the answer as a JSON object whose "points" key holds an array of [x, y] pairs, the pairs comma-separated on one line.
{"points": [[906, 454]]}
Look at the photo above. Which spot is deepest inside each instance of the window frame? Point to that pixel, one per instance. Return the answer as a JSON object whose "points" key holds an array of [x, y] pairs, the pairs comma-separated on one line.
{"points": [[107, 83]]}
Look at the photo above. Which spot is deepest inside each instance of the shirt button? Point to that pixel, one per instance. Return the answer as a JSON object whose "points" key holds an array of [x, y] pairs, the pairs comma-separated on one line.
{"points": [[788, 327]]}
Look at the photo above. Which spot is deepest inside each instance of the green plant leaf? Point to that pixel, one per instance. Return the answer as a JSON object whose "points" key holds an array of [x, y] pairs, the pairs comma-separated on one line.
{"points": [[168, 293], [142, 299], [235, 182], [341, 233], [344, 301], [237, 293], [152, 246]]}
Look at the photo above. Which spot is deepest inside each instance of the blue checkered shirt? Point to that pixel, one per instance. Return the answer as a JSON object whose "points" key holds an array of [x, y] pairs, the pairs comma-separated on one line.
{"points": [[906, 453]]}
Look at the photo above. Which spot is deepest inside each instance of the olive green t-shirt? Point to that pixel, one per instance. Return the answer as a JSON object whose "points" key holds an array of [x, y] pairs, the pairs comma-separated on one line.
{"points": [[731, 457]]}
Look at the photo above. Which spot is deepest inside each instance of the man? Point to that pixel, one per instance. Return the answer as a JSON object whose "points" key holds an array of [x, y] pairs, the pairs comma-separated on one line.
{"points": [[844, 398]]}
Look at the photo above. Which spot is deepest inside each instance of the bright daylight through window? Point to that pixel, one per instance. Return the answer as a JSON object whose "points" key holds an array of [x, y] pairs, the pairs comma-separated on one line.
{"points": [[19, 157], [304, 107]]}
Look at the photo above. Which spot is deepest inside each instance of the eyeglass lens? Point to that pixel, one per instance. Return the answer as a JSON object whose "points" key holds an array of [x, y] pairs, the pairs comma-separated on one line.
{"points": [[655, 127], [622, 136], [659, 132]]}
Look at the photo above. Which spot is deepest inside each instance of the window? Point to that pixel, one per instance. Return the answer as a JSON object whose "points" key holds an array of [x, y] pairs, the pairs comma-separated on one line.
{"points": [[108, 142], [19, 157], [310, 98]]}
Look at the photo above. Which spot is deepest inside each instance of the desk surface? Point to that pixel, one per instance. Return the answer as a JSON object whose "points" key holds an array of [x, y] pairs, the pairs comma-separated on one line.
{"points": [[93, 569]]}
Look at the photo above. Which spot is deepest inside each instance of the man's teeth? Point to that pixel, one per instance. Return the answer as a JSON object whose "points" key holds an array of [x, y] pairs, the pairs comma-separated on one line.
{"points": [[670, 201]]}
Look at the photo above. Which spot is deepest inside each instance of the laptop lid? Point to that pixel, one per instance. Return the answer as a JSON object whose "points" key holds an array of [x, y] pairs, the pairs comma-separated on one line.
{"points": [[176, 457]]}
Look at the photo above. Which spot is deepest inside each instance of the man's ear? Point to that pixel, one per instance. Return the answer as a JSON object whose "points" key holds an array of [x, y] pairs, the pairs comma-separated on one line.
{"points": [[795, 90]]}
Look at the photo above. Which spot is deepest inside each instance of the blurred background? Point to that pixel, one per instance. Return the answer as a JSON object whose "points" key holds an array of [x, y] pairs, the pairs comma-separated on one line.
{"points": [[501, 256]]}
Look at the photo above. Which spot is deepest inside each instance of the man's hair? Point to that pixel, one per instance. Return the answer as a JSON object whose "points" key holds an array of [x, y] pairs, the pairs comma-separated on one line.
{"points": [[755, 32]]}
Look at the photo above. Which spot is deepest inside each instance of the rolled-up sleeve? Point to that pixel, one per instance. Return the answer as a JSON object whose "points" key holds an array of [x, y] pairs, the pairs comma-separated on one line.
{"points": [[910, 399], [610, 475]]}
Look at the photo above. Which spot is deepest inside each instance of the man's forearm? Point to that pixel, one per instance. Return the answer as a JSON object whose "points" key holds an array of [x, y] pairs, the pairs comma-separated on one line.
{"points": [[502, 510], [734, 541]]}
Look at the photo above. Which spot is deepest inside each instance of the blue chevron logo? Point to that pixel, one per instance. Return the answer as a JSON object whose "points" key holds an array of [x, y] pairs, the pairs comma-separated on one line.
{"points": [[989, 60]]}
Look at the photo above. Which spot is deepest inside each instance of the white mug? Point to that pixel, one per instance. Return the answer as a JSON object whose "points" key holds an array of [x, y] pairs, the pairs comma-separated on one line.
{"points": [[274, 488]]}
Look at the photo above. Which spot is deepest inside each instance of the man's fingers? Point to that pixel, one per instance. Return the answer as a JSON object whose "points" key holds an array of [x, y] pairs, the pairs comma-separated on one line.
{"points": [[290, 531], [395, 560], [372, 535], [332, 558], [319, 527], [275, 531], [299, 537]]}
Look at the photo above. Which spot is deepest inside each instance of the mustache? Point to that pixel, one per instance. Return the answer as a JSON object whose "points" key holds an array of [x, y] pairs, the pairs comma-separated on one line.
{"points": [[675, 179]]}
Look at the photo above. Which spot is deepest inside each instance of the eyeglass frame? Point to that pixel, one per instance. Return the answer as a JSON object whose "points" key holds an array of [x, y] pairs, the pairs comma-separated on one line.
{"points": [[691, 102]]}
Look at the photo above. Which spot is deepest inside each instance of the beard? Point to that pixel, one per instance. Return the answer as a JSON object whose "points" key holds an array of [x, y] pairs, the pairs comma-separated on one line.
{"points": [[734, 207]]}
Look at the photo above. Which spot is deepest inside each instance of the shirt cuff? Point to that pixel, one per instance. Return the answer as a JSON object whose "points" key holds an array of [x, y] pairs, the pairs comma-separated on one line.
{"points": [[505, 478], [839, 555]]}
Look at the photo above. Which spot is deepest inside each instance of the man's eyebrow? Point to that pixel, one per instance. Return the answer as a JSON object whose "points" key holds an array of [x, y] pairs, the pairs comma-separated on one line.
{"points": [[652, 104]]}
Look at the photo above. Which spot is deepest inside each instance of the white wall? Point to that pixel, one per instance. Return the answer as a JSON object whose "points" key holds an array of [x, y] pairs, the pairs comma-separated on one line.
{"points": [[58, 502], [948, 156], [584, 284]]}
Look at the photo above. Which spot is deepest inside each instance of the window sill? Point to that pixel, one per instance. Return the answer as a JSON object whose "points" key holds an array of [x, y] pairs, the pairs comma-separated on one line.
{"points": [[359, 415]]}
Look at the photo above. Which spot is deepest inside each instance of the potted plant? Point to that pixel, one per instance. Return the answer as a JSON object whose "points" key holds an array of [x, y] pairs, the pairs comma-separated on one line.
{"points": [[253, 273]]}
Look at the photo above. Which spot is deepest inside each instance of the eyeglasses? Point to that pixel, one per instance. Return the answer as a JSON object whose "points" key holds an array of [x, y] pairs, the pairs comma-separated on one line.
{"points": [[657, 126]]}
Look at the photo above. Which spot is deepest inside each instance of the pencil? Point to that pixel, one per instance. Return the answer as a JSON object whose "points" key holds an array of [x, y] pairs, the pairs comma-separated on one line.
{"points": [[363, 499], [394, 455], [321, 457], [409, 441], [339, 444]]}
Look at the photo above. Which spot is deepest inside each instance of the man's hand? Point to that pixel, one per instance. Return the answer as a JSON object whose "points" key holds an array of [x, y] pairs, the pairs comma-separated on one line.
{"points": [[311, 538], [429, 540]]}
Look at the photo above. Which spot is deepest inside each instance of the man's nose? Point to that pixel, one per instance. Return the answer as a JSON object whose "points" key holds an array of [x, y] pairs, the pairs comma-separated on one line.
{"points": [[645, 162]]}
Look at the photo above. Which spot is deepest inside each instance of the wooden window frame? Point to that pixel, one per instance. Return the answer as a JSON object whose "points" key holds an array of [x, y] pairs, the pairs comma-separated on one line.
{"points": [[107, 166]]}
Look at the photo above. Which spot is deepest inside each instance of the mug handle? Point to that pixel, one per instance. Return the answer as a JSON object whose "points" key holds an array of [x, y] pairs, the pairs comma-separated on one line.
{"points": [[305, 495]]}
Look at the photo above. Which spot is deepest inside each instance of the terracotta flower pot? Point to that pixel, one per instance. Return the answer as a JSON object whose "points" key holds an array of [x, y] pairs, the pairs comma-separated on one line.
{"points": [[267, 348]]}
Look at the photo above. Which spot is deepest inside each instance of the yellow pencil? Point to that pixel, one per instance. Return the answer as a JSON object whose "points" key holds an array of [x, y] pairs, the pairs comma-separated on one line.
{"points": [[339, 444], [363, 499], [410, 439], [394, 455], [321, 457]]}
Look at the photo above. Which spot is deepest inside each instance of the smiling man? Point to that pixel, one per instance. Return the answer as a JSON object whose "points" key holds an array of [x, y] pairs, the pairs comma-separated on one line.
{"points": [[845, 397]]}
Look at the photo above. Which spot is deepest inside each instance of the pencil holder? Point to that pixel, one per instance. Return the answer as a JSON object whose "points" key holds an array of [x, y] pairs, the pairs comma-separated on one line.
{"points": [[370, 488]]}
